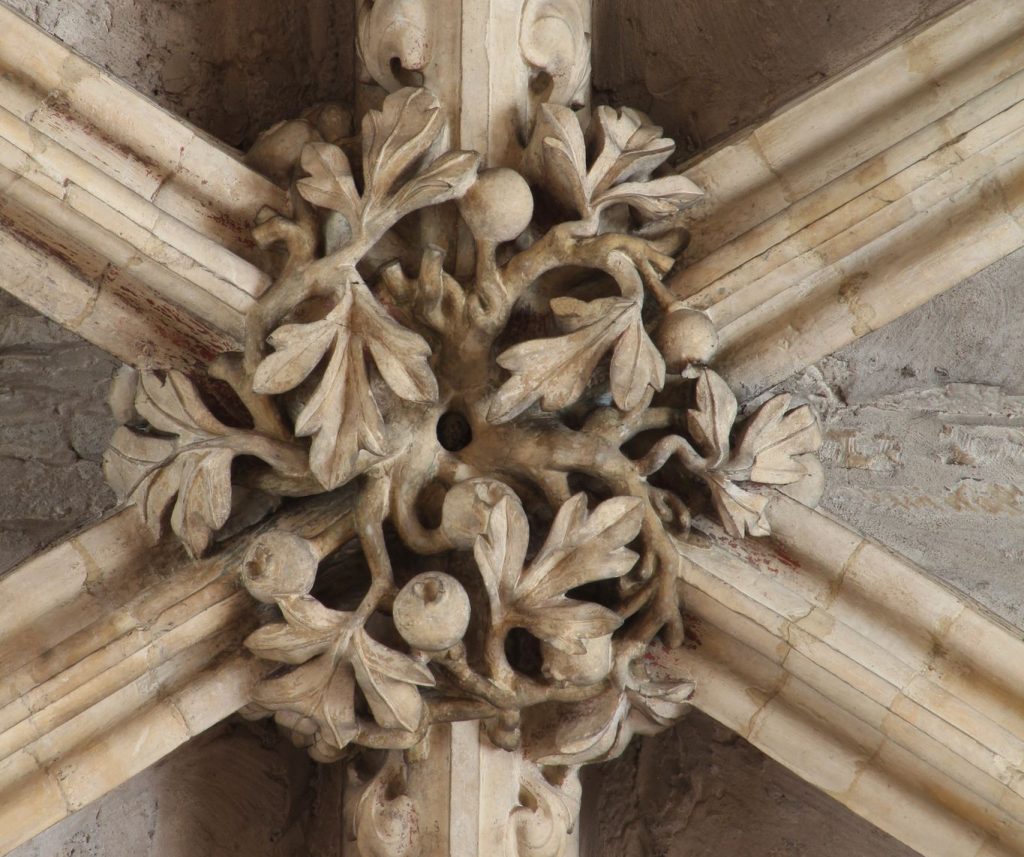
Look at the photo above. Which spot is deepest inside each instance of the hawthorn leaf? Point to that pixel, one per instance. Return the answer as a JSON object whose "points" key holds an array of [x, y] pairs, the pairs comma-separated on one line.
{"points": [[711, 421], [656, 199], [774, 439], [287, 644], [395, 138], [637, 365], [203, 503], [330, 183], [323, 690], [173, 405], [447, 178], [191, 472], [556, 371], [581, 548], [565, 156], [593, 731], [299, 350], [500, 550], [742, 512], [565, 623], [389, 681], [342, 416], [401, 356], [628, 147]]}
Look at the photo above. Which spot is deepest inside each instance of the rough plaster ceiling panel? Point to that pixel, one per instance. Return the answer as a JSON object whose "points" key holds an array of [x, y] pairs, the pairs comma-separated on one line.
{"points": [[701, 791], [54, 427], [238, 790], [924, 441], [232, 67], [707, 68]]}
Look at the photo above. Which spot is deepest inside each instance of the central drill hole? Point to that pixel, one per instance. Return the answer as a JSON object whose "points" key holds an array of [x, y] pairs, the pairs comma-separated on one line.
{"points": [[453, 431]]}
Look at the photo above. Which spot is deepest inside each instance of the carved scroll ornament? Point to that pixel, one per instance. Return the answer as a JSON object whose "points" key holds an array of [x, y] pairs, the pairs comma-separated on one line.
{"points": [[509, 433]]}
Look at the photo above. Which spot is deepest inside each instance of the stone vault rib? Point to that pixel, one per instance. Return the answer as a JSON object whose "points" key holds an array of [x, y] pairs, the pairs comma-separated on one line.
{"points": [[118, 220], [879, 191], [893, 694], [126, 653]]}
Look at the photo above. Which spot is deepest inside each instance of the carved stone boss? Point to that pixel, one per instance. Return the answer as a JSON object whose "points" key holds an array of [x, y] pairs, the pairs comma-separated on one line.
{"points": [[469, 365]]}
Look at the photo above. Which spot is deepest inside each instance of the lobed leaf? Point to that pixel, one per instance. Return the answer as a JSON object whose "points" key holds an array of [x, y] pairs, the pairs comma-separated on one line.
{"points": [[389, 681], [330, 183], [711, 421], [742, 512], [395, 138], [772, 441], [655, 199], [556, 371]]}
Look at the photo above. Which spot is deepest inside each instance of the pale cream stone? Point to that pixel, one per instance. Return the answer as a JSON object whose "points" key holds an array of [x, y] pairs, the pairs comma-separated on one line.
{"points": [[898, 805], [820, 226]]}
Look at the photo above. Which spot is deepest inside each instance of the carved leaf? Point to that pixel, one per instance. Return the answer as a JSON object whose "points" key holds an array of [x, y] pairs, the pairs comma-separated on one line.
{"points": [[541, 827], [712, 419], [389, 681], [660, 703], [204, 496], [286, 644], [192, 471], [554, 38], [581, 548], [628, 150], [628, 147], [655, 199], [321, 689], [594, 730], [447, 178], [330, 183], [174, 406], [299, 350], [342, 415], [500, 551], [637, 365], [397, 136], [387, 822], [565, 155], [742, 512], [395, 140], [771, 442], [401, 356], [390, 31], [557, 371]]}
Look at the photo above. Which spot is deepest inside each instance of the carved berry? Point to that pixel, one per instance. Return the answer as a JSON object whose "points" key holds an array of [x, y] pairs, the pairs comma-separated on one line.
{"points": [[686, 336], [581, 670], [432, 612], [467, 507], [499, 205], [278, 565]]}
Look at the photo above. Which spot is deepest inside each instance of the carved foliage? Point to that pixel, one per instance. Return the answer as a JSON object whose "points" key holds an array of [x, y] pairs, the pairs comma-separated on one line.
{"points": [[342, 414], [348, 391], [581, 548], [183, 463]]}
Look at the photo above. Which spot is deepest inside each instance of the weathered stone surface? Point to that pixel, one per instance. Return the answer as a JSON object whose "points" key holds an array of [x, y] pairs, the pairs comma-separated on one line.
{"points": [[233, 68], [236, 790], [700, 790], [707, 68], [924, 424], [54, 426]]}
